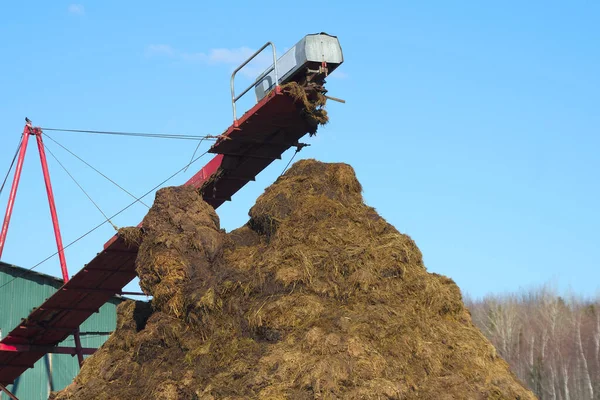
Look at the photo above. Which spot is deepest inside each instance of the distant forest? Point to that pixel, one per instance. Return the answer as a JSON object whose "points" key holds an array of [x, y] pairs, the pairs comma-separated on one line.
{"points": [[552, 343]]}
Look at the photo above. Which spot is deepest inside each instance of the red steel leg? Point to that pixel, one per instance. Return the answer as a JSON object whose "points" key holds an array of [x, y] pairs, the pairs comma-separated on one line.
{"points": [[59, 243], [13, 189]]}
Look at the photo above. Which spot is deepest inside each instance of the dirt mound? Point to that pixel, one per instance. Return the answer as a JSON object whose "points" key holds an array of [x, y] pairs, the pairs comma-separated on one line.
{"points": [[317, 297]]}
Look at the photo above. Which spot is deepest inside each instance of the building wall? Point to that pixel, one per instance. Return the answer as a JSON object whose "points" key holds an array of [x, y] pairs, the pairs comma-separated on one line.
{"points": [[54, 371]]}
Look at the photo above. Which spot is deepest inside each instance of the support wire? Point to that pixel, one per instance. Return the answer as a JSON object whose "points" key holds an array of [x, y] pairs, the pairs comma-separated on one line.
{"points": [[11, 165], [96, 170], [137, 134], [105, 221], [80, 187]]}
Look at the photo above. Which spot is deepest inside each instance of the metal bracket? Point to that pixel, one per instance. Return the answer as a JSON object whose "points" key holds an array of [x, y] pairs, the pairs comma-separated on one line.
{"points": [[323, 70], [299, 146]]}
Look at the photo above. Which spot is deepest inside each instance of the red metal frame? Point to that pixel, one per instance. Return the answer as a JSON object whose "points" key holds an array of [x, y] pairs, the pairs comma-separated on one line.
{"points": [[56, 226], [253, 142], [14, 187], [19, 348], [37, 132], [206, 172]]}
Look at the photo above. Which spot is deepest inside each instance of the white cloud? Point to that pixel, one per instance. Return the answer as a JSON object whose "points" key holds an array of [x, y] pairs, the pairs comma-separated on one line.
{"points": [[231, 58], [76, 9], [339, 75], [192, 57]]}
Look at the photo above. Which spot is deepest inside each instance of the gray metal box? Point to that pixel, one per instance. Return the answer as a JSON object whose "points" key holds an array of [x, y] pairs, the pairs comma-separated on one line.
{"points": [[311, 51]]}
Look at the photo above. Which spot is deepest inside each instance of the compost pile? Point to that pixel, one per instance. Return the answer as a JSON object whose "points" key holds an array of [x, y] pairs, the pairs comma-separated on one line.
{"points": [[316, 297]]}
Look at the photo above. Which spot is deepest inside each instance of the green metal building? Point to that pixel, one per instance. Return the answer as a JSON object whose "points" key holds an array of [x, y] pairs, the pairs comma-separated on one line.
{"points": [[25, 290]]}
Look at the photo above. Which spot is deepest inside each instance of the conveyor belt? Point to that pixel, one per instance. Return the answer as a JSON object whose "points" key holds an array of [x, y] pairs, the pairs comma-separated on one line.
{"points": [[247, 147]]}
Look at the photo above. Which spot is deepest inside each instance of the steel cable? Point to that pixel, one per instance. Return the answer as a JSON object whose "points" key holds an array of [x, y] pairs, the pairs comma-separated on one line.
{"points": [[105, 221], [11, 165], [137, 134], [80, 187], [96, 170]]}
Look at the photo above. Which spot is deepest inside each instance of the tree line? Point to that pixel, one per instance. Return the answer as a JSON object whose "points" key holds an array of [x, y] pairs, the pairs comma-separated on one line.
{"points": [[551, 342]]}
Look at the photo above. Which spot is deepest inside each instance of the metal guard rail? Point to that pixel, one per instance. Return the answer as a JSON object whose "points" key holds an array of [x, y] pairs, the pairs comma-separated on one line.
{"points": [[265, 75]]}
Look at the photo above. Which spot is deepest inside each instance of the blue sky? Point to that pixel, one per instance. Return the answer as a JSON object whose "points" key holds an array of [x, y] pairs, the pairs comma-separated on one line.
{"points": [[473, 127]]}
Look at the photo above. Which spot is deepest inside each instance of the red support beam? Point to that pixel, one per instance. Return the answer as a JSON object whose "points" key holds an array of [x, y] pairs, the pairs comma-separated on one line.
{"points": [[15, 365], [206, 172], [55, 224], [54, 215], [24, 348], [95, 290], [14, 187], [76, 309]]}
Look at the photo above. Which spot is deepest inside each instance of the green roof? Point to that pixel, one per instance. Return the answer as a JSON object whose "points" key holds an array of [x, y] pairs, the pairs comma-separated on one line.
{"points": [[25, 273]]}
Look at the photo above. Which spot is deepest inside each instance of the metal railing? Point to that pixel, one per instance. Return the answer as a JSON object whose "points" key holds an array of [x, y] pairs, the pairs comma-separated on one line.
{"points": [[235, 98]]}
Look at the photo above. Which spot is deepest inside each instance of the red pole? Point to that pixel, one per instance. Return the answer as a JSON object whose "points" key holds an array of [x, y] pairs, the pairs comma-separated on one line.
{"points": [[13, 189], [59, 243]]}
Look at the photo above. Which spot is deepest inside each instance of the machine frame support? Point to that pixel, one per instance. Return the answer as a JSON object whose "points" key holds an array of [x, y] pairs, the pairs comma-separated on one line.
{"points": [[14, 187], [37, 132], [23, 348]]}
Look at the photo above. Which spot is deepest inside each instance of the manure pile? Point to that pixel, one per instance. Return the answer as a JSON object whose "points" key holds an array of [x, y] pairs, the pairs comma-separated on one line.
{"points": [[316, 297]]}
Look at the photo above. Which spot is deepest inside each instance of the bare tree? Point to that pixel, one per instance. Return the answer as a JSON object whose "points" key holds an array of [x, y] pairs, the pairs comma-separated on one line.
{"points": [[585, 372], [552, 344]]}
